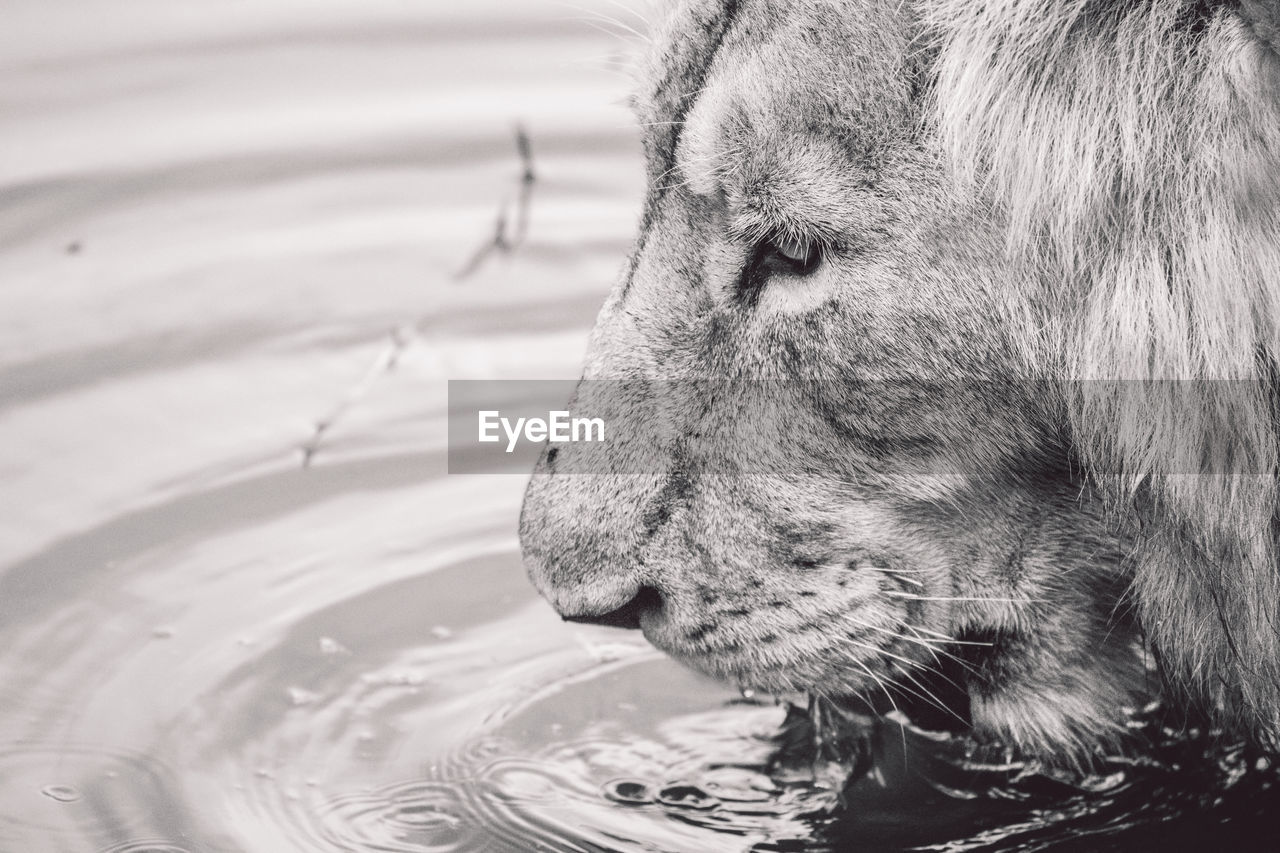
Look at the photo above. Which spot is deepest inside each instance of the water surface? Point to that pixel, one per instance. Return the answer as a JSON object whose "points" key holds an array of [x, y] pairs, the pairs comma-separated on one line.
{"points": [[242, 606]]}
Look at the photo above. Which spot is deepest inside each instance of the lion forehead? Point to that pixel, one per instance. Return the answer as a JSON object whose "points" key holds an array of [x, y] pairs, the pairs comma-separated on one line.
{"points": [[721, 74]]}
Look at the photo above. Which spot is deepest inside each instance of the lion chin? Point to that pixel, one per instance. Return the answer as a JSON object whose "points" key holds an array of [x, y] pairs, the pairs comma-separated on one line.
{"points": [[943, 372]]}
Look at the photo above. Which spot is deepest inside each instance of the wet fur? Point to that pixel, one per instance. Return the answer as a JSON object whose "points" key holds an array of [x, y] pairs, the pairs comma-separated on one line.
{"points": [[1012, 198]]}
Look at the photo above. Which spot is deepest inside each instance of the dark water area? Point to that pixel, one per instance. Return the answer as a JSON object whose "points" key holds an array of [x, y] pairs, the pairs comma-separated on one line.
{"points": [[243, 605]]}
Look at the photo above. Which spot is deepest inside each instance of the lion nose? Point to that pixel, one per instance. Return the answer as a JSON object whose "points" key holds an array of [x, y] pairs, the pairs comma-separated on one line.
{"points": [[627, 616]]}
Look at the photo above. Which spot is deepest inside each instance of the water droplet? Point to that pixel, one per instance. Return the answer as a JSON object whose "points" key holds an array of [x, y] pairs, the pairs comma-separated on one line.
{"points": [[782, 845], [423, 815], [687, 797], [1098, 784], [735, 784], [627, 791], [440, 632], [330, 646], [61, 793], [411, 679]]}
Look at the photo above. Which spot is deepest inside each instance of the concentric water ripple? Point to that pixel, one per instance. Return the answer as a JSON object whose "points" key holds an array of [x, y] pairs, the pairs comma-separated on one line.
{"points": [[145, 846], [48, 790], [410, 818], [517, 794]]}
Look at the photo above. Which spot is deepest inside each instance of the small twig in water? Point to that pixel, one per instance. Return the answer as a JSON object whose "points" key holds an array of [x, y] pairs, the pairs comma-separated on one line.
{"points": [[527, 179], [383, 364], [507, 237]]}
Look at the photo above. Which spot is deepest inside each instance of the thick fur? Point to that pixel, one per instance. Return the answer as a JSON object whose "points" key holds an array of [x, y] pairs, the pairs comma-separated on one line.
{"points": [[1023, 414], [1135, 152]]}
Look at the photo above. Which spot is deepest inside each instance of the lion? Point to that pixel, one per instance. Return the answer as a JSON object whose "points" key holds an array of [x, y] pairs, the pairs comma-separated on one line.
{"points": [[953, 327]]}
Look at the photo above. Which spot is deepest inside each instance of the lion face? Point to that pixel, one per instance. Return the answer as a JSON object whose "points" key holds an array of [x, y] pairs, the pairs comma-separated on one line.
{"points": [[864, 475]]}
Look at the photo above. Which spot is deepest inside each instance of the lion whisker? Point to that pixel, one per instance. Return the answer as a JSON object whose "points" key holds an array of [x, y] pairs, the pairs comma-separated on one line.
{"points": [[945, 638], [964, 664], [598, 24], [921, 641], [879, 683], [928, 695], [915, 597], [884, 689], [920, 630], [595, 18], [886, 653], [630, 11], [935, 651]]}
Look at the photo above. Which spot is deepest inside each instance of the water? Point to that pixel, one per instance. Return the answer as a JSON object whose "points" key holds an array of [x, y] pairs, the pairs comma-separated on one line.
{"points": [[242, 606]]}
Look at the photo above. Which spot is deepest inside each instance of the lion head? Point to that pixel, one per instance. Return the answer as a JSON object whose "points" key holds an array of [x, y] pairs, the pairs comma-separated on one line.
{"points": [[953, 330]]}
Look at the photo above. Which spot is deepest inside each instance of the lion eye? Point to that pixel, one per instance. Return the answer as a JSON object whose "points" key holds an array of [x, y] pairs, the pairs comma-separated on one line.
{"points": [[797, 256], [776, 255]]}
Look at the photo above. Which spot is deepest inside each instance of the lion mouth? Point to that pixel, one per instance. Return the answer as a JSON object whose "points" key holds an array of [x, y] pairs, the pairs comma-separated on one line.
{"points": [[777, 661], [630, 617]]}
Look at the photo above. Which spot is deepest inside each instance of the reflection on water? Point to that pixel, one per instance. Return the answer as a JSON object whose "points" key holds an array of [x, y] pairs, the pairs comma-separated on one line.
{"points": [[222, 223]]}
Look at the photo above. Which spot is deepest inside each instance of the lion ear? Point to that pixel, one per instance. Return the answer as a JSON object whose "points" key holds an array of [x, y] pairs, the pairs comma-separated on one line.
{"points": [[1263, 17]]}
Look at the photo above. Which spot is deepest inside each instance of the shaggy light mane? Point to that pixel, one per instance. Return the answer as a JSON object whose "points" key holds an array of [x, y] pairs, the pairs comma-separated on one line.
{"points": [[1135, 149]]}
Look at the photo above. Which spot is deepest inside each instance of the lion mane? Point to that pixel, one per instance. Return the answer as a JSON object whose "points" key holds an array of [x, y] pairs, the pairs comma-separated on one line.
{"points": [[1137, 151], [1136, 148]]}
